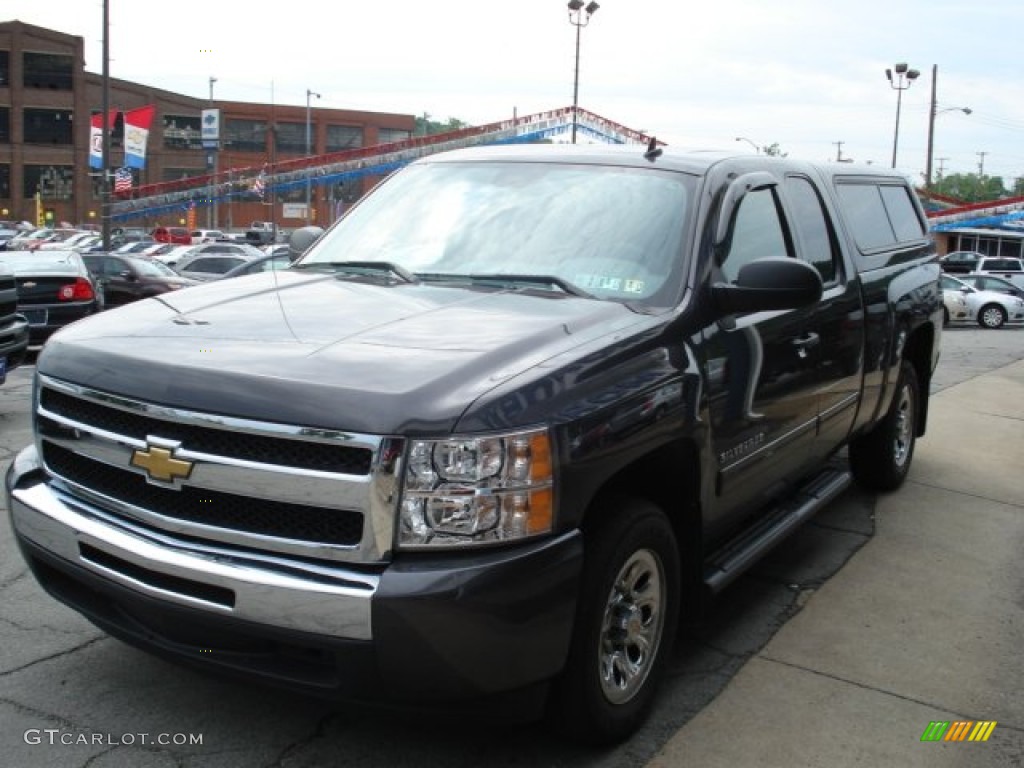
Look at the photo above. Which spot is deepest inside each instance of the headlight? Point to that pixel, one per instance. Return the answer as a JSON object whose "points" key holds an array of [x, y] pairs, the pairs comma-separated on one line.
{"points": [[476, 490]]}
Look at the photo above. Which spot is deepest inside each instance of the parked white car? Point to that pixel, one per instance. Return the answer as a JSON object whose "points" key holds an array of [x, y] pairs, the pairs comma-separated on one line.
{"points": [[990, 309]]}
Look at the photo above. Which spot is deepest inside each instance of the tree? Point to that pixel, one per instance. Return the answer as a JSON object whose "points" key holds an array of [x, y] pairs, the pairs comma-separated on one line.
{"points": [[970, 187], [773, 150], [427, 127]]}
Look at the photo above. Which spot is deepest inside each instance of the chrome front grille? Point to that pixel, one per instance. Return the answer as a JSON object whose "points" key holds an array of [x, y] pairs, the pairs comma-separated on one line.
{"points": [[296, 490]]}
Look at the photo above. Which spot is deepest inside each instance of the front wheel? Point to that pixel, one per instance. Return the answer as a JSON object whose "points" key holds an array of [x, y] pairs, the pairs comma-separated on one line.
{"points": [[880, 459], [625, 624], [992, 316]]}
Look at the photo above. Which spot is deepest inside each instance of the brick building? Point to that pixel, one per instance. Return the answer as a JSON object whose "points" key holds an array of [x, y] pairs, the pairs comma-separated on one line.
{"points": [[47, 97]]}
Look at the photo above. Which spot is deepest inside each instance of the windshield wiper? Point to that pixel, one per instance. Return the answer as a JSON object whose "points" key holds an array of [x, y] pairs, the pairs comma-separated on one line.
{"points": [[362, 268], [502, 279]]}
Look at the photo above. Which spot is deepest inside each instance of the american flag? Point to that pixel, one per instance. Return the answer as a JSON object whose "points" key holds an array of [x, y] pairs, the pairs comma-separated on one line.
{"points": [[258, 185], [123, 180]]}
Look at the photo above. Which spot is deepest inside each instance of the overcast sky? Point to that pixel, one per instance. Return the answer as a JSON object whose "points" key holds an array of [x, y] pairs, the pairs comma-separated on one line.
{"points": [[805, 74]]}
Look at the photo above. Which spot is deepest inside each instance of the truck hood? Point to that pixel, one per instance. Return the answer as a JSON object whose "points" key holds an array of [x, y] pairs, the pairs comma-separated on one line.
{"points": [[321, 351]]}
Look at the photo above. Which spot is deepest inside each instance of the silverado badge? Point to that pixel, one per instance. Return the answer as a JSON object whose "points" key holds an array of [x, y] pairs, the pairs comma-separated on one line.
{"points": [[160, 463]]}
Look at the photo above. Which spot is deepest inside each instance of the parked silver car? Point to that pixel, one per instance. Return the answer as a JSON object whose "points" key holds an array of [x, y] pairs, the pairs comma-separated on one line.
{"points": [[990, 309]]}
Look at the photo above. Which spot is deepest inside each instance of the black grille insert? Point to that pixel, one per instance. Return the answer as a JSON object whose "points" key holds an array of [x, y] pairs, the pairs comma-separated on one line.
{"points": [[338, 527], [301, 454]]}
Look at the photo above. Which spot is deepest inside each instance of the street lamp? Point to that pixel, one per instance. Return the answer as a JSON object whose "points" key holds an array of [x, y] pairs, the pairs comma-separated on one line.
{"points": [[904, 79], [757, 149], [309, 151], [932, 113], [579, 17]]}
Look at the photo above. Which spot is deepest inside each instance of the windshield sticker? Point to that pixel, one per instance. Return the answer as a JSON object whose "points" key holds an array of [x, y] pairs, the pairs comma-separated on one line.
{"points": [[608, 283]]}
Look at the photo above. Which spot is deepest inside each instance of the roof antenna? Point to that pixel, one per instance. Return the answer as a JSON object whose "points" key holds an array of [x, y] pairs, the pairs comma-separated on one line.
{"points": [[653, 150]]}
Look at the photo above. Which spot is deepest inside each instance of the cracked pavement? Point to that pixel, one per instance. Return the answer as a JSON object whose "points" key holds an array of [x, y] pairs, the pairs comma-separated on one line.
{"points": [[59, 672]]}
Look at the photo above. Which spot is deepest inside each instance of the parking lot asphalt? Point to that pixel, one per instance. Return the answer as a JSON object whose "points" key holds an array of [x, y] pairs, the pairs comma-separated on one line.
{"points": [[925, 623]]}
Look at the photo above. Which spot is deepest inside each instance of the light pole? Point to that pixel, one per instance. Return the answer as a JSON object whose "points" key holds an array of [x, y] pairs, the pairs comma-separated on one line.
{"points": [[904, 78], [579, 17], [211, 213], [309, 151], [757, 149]]}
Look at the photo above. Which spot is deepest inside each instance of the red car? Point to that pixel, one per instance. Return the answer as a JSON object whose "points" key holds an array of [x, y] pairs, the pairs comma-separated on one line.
{"points": [[176, 235]]}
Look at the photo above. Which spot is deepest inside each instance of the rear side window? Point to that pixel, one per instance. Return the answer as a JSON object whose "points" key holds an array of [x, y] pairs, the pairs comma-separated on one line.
{"points": [[880, 215]]}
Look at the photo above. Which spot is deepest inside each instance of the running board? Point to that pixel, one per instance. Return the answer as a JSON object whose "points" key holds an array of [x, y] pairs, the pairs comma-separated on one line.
{"points": [[728, 563]]}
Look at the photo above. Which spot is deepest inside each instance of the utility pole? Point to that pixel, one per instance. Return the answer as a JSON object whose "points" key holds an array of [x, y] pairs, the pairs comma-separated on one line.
{"points": [[981, 164], [105, 189], [940, 171], [839, 153], [931, 129]]}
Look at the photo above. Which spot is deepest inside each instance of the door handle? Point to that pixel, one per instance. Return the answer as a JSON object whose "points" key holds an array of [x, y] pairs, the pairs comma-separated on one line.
{"points": [[805, 342]]}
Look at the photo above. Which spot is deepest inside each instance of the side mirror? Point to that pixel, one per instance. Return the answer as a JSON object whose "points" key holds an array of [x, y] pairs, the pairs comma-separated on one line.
{"points": [[774, 282]]}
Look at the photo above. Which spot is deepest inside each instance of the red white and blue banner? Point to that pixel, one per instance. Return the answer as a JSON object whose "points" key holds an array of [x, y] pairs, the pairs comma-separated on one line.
{"points": [[96, 137], [136, 134]]}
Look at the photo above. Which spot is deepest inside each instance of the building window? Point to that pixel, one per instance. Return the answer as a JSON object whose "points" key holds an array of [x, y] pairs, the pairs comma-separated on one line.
{"points": [[48, 70], [5, 181], [341, 137], [245, 135], [5, 69], [291, 137], [181, 132], [389, 135], [48, 126], [5, 125], [53, 182]]}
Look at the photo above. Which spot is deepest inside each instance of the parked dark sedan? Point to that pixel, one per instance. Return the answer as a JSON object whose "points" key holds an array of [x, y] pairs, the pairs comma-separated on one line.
{"points": [[124, 279], [13, 327], [54, 289]]}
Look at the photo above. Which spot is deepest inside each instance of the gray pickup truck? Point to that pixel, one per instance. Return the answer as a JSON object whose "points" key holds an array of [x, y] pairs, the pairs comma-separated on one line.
{"points": [[500, 429]]}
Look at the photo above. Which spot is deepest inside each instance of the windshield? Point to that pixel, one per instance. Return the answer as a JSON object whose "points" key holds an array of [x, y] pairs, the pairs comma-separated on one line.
{"points": [[614, 233], [150, 268]]}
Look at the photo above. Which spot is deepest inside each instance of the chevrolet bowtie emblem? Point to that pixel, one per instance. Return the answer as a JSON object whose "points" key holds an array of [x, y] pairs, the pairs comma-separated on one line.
{"points": [[160, 463]]}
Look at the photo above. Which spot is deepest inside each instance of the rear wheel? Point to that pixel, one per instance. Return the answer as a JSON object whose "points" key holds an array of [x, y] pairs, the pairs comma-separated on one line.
{"points": [[880, 459], [992, 316], [625, 624]]}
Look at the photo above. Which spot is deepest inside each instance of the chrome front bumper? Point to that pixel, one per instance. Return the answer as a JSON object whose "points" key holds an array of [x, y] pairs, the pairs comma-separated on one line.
{"points": [[271, 590]]}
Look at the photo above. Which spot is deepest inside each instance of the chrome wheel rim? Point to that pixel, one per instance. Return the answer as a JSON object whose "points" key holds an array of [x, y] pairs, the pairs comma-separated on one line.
{"points": [[631, 630], [904, 426], [992, 317]]}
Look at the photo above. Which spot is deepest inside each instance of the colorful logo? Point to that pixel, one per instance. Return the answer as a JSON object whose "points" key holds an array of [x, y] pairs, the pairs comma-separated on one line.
{"points": [[958, 730]]}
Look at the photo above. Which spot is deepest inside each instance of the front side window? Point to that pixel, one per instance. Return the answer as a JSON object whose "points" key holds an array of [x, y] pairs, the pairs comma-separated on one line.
{"points": [[757, 232], [614, 233]]}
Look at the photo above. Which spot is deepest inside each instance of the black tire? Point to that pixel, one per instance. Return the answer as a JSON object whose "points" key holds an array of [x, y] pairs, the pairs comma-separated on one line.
{"points": [[880, 459], [992, 316], [625, 625]]}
